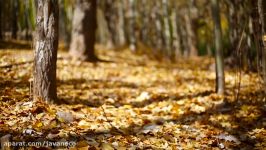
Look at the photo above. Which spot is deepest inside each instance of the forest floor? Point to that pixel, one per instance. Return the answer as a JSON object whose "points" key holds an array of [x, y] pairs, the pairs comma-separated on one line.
{"points": [[129, 101]]}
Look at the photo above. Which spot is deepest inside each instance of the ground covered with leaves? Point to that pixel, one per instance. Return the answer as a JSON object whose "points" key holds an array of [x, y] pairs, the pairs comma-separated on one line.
{"points": [[129, 101]]}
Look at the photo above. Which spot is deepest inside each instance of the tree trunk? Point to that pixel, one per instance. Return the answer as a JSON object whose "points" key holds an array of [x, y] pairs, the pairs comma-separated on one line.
{"points": [[191, 37], [83, 30], [14, 18], [263, 19], [166, 29], [109, 14], [121, 41], [1, 35], [258, 27], [46, 44], [144, 11], [176, 38], [220, 87], [156, 17], [132, 25]]}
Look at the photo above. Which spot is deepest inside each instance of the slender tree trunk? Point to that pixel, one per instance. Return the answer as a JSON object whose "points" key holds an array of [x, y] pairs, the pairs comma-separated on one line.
{"points": [[14, 18], [166, 31], [46, 44], [156, 16], [121, 41], [1, 35], [176, 38], [132, 25], [191, 37], [110, 17], [62, 24], [220, 85], [145, 22], [83, 30]]}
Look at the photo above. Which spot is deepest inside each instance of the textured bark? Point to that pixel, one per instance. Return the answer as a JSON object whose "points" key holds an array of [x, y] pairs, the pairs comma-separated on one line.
{"points": [[258, 27], [83, 30], [46, 45], [263, 20], [219, 64]]}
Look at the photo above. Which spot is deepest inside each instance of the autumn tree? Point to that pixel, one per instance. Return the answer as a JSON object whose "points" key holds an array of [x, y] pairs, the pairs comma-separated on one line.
{"points": [[14, 18], [83, 30], [219, 64], [1, 37], [46, 44], [259, 30]]}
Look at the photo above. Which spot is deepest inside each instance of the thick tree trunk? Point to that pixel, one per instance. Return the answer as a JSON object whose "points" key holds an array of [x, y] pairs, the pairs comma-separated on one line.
{"points": [[83, 30], [220, 85], [258, 27], [46, 44], [263, 19]]}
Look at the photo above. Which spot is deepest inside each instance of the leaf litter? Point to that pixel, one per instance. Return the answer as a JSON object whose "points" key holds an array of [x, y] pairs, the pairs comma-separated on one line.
{"points": [[132, 104]]}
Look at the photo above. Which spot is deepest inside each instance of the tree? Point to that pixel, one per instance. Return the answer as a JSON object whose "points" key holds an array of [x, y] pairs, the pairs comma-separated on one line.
{"points": [[1, 37], [219, 64], [14, 18], [83, 30], [259, 30], [46, 45]]}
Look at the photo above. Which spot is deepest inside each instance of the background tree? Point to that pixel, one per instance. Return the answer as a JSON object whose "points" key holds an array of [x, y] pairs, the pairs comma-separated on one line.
{"points": [[46, 44], [219, 64], [14, 18], [1, 37], [259, 31], [83, 30]]}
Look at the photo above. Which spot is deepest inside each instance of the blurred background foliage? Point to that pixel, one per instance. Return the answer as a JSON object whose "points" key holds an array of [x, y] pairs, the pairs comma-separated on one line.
{"points": [[168, 28]]}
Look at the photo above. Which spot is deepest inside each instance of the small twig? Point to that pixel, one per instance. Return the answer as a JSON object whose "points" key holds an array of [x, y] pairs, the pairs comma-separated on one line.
{"points": [[16, 64], [109, 122], [240, 62]]}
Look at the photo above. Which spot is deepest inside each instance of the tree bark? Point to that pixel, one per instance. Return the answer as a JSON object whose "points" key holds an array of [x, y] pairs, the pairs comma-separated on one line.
{"points": [[14, 18], [132, 25], [1, 35], [166, 29], [83, 30], [121, 41], [219, 64], [191, 37], [176, 46], [46, 45], [258, 27]]}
